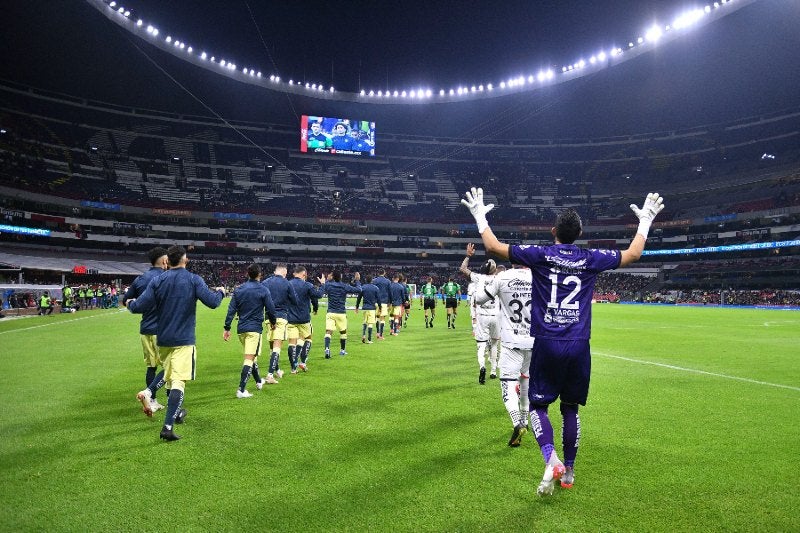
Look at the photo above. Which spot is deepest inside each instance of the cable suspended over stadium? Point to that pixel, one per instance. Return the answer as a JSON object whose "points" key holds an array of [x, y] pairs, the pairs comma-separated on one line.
{"points": [[219, 63]]}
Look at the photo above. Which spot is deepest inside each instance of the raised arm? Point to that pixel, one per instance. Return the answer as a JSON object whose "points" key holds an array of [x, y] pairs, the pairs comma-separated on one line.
{"points": [[653, 204], [474, 202], [470, 252]]}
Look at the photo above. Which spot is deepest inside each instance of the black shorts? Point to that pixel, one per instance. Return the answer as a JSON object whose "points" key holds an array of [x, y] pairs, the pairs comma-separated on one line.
{"points": [[450, 302], [429, 303]]}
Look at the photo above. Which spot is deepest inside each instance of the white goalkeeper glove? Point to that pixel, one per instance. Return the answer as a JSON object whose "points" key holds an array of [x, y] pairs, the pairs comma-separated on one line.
{"points": [[652, 206], [474, 202]]}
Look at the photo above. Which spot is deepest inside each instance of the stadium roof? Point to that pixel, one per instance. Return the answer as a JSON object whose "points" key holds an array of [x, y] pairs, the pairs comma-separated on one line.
{"points": [[744, 64]]}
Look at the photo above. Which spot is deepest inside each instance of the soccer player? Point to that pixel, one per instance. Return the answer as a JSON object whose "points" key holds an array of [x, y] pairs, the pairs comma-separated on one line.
{"points": [[563, 278], [370, 296], [300, 319], [283, 296], [512, 289], [174, 296], [250, 301], [428, 297], [383, 283], [486, 328], [397, 294], [148, 328], [336, 317], [406, 299], [452, 294]]}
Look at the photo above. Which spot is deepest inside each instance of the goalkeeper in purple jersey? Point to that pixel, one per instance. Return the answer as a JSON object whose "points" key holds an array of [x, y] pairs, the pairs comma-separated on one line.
{"points": [[563, 278]]}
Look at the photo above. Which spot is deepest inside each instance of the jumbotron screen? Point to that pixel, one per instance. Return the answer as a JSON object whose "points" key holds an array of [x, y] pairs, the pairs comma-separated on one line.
{"points": [[341, 136]]}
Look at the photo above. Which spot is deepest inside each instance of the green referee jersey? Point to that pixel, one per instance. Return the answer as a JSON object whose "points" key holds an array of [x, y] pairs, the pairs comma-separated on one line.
{"points": [[429, 291], [450, 289]]}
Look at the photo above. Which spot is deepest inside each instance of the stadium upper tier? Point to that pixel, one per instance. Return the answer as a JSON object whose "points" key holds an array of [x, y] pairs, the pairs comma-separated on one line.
{"points": [[81, 150]]}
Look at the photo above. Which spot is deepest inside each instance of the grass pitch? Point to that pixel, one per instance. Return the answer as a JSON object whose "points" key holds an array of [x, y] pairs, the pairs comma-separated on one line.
{"points": [[692, 423]]}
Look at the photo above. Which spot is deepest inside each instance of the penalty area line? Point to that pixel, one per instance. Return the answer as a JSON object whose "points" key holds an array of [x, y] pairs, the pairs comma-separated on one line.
{"points": [[695, 371], [53, 323]]}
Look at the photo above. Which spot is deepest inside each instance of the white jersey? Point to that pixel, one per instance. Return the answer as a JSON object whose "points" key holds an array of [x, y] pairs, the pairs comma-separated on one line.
{"points": [[487, 306], [512, 288], [471, 298]]}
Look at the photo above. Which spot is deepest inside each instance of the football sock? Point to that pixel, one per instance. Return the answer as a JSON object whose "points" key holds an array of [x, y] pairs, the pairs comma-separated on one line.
{"points": [[149, 375], [508, 391], [342, 343], [481, 354], [524, 401], [494, 348], [273, 362], [306, 350], [247, 369], [292, 357], [571, 432], [543, 431], [391, 325], [256, 373], [156, 383], [363, 329], [369, 333], [173, 404], [327, 342]]}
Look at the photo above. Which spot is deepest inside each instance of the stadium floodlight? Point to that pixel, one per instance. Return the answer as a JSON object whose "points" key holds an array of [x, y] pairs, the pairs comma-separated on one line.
{"points": [[593, 60], [412, 93], [182, 46], [232, 66], [601, 56], [530, 78], [441, 92], [127, 13], [222, 62], [480, 88], [396, 94], [112, 4], [687, 19], [403, 94], [155, 32], [308, 86], [630, 45], [502, 85], [473, 89], [380, 94], [640, 40], [332, 89], [452, 92], [428, 93], [272, 77], [189, 49], [252, 72], [314, 86], [277, 78], [149, 29], [372, 93], [653, 34], [258, 74], [716, 5], [320, 87], [121, 10], [460, 91], [212, 58], [139, 23], [168, 39], [362, 91], [581, 63], [203, 55], [563, 69], [707, 9]]}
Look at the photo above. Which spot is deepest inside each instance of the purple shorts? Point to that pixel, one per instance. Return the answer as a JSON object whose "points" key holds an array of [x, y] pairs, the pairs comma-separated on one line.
{"points": [[559, 368]]}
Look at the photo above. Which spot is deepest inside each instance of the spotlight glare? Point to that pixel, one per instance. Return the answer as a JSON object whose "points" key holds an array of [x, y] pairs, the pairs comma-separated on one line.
{"points": [[707, 9], [380, 93], [331, 88], [490, 86], [372, 93], [412, 94], [155, 32], [258, 74], [362, 92], [563, 69], [473, 88], [601, 56], [480, 88], [452, 92], [428, 93], [502, 85], [139, 23], [182, 46], [277, 78], [403, 94], [112, 4], [441, 92], [127, 13], [530, 78], [121, 10], [189, 49], [653, 34], [396, 94], [168, 39]]}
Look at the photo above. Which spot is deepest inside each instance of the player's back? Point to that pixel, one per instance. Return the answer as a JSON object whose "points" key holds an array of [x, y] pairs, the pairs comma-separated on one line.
{"points": [[512, 291]]}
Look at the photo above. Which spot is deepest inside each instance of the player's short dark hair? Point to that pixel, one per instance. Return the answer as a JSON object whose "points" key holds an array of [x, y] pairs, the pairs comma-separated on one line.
{"points": [[568, 226], [155, 254], [396, 276], [489, 267], [175, 253], [280, 265], [382, 272], [299, 269], [368, 278], [337, 276], [253, 271]]}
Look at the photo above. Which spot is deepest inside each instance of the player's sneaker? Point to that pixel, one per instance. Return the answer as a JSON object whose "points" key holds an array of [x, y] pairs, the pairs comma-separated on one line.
{"points": [[379, 337], [551, 474], [294, 371], [516, 436], [145, 397], [327, 353], [279, 373], [303, 367], [342, 352], [260, 383], [270, 380], [568, 479], [155, 406], [243, 394], [482, 376], [180, 416], [168, 435], [369, 342]]}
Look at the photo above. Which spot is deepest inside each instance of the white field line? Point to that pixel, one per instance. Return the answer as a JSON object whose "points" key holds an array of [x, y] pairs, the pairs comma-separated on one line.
{"points": [[695, 371], [56, 323]]}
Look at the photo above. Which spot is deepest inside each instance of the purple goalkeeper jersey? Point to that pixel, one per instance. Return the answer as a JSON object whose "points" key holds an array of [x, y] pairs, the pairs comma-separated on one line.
{"points": [[562, 287]]}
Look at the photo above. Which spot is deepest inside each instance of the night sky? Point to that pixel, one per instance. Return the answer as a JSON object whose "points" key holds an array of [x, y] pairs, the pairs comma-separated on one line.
{"points": [[744, 64]]}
